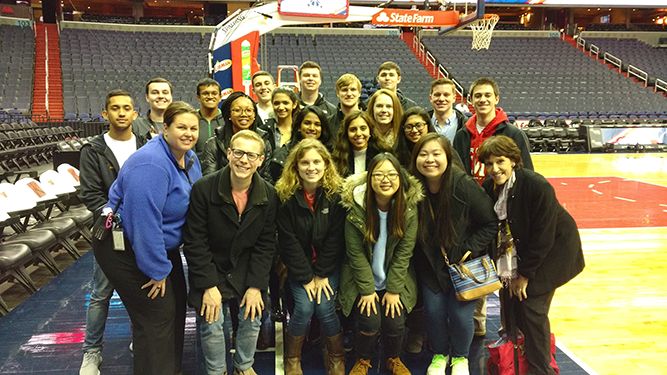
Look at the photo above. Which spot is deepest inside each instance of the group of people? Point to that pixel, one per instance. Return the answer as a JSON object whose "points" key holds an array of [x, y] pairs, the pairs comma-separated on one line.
{"points": [[362, 203]]}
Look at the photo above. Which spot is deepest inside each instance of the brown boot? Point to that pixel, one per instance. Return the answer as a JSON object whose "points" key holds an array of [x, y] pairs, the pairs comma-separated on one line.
{"points": [[335, 359], [397, 367], [292, 358], [361, 367]]}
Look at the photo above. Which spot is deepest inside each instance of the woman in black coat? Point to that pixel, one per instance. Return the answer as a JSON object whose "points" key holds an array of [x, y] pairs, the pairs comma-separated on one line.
{"points": [[539, 248]]}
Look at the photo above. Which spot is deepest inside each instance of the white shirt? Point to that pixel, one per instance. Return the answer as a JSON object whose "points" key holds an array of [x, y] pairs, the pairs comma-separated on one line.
{"points": [[121, 149], [264, 115], [360, 160]]}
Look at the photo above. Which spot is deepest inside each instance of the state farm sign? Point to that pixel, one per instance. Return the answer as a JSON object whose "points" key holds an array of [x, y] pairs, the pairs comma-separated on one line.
{"points": [[399, 17]]}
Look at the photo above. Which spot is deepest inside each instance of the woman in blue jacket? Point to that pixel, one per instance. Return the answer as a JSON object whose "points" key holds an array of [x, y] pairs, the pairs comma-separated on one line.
{"points": [[152, 193]]}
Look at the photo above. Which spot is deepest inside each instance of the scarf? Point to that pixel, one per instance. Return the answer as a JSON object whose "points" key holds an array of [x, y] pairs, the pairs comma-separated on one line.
{"points": [[507, 261]]}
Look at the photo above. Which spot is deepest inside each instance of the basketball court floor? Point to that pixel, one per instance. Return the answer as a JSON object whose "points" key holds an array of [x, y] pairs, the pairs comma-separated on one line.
{"points": [[611, 319]]}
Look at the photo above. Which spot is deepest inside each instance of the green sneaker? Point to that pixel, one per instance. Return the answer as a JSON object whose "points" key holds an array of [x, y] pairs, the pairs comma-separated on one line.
{"points": [[460, 366], [438, 365]]}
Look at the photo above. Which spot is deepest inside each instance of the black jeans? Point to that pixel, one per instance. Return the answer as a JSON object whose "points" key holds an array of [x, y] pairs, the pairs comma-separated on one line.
{"points": [[158, 325], [368, 328]]}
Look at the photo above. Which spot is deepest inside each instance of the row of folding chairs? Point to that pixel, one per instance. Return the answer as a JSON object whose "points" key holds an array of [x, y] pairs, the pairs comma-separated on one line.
{"points": [[32, 147], [44, 218]]}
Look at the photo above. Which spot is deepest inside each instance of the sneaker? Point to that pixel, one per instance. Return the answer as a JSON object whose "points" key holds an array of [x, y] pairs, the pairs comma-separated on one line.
{"points": [[397, 367], [361, 367], [132, 346], [438, 365], [91, 363], [460, 366]]}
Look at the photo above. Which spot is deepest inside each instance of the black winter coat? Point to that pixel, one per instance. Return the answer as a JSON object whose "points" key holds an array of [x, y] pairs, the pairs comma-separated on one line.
{"points": [[215, 235], [300, 230], [545, 235]]}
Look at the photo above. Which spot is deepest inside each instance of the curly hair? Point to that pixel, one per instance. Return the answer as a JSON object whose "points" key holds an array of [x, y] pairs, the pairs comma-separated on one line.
{"points": [[343, 147], [290, 181]]}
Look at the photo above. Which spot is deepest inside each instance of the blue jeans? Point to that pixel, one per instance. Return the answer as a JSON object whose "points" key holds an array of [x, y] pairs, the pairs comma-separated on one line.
{"points": [[304, 310], [214, 335], [450, 322], [98, 309]]}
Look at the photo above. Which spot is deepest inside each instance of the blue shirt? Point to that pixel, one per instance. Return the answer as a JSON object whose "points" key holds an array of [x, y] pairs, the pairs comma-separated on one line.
{"points": [[380, 254], [155, 192], [449, 128]]}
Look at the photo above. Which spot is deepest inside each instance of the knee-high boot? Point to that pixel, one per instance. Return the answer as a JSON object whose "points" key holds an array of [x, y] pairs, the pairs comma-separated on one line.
{"points": [[335, 358], [292, 358]]}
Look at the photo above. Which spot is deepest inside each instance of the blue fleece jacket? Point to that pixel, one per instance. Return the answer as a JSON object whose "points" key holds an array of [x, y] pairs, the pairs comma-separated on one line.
{"points": [[155, 194]]}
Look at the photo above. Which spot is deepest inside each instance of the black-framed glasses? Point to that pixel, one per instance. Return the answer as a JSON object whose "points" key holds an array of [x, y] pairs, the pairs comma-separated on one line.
{"points": [[391, 176], [245, 111], [418, 126], [252, 156]]}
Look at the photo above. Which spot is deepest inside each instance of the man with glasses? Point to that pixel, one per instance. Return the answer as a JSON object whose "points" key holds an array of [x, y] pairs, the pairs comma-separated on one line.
{"points": [[209, 95], [229, 241]]}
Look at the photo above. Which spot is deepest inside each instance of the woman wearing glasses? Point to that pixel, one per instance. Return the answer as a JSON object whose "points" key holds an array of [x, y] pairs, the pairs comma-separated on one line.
{"points": [[414, 124], [239, 112], [377, 281]]}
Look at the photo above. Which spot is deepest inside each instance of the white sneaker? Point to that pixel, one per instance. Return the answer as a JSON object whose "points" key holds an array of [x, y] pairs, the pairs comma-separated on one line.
{"points": [[131, 346], [91, 363], [438, 365], [460, 366]]}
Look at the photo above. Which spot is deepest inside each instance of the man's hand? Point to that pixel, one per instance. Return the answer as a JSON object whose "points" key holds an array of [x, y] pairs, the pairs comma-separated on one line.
{"points": [[252, 300], [210, 304]]}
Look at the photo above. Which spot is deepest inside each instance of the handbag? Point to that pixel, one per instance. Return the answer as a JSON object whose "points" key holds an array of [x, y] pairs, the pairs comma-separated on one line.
{"points": [[501, 361], [473, 279]]}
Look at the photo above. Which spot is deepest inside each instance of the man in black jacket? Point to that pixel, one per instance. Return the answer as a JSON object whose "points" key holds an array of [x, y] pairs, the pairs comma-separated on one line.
{"points": [[389, 76], [100, 162], [310, 80], [158, 96], [446, 120], [229, 241], [348, 91], [209, 95]]}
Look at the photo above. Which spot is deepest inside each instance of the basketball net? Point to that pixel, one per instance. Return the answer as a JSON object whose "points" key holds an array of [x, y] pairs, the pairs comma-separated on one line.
{"points": [[482, 30]]}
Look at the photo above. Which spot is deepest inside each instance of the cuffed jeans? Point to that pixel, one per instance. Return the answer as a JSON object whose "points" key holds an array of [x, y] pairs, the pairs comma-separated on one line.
{"points": [[304, 310], [213, 341], [450, 322], [98, 310]]}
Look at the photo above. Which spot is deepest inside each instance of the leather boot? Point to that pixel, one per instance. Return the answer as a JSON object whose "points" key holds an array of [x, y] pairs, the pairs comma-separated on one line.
{"points": [[292, 358], [335, 359]]}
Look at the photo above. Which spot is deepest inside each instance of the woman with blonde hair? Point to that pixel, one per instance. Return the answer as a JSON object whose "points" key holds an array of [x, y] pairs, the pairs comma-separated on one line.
{"points": [[311, 239], [385, 108]]}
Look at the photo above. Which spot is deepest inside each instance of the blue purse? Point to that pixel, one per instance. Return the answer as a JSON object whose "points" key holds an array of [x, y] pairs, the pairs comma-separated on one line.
{"points": [[473, 279]]}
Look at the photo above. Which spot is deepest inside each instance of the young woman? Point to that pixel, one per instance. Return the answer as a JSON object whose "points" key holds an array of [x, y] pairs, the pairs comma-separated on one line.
{"points": [[377, 281], [415, 123], [538, 249], [152, 193], [311, 123], [239, 112], [455, 219], [385, 108], [285, 107], [356, 144], [312, 242]]}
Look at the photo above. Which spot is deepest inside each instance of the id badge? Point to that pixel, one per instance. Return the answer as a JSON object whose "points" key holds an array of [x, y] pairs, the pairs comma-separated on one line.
{"points": [[118, 239]]}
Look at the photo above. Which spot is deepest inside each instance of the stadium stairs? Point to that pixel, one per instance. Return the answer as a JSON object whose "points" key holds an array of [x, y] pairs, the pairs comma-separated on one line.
{"points": [[47, 72]]}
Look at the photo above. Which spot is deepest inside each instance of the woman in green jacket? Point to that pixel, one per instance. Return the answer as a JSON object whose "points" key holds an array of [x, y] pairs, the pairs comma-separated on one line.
{"points": [[380, 232]]}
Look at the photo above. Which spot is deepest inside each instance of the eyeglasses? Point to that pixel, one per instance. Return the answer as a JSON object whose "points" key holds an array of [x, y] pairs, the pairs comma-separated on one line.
{"points": [[252, 156], [245, 111], [418, 126], [379, 176]]}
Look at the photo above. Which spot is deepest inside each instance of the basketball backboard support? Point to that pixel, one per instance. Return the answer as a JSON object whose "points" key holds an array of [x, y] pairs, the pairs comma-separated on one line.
{"points": [[466, 19]]}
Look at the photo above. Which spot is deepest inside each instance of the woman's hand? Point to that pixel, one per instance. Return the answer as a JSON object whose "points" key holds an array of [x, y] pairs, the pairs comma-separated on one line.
{"points": [[518, 288], [310, 290], [392, 302], [368, 303], [157, 288], [322, 287], [252, 300], [210, 304]]}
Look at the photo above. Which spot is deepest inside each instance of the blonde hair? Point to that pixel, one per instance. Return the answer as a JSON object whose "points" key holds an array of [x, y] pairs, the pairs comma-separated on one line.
{"points": [[249, 135], [290, 181]]}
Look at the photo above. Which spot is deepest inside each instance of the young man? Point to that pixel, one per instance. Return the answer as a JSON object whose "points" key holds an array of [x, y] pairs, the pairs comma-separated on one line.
{"points": [[101, 160], [262, 86], [446, 120], [486, 122], [389, 76], [209, 96], [348, 91], [310, 79], [229, 242], [158, 96]]}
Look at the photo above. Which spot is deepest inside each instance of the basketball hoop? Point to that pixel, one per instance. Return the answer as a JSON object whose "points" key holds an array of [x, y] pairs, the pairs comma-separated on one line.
{"points": [[482, 29]]}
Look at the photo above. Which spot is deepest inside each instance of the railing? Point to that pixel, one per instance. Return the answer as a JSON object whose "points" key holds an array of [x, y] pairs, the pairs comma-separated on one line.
{"points": [[581, 43], [613, 60], [638, 73], [431, 59], [661, 85], [595, 51], [438, 69]]}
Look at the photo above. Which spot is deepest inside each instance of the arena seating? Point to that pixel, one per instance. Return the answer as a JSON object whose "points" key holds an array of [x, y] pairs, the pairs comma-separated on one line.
{"points": [[95, 62], [360, 55], [17, 67], [543, 75], [637, 53]]}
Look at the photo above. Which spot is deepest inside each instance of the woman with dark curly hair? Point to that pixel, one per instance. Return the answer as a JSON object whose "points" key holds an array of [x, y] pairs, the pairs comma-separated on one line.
{"points": [[357, 143]]}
